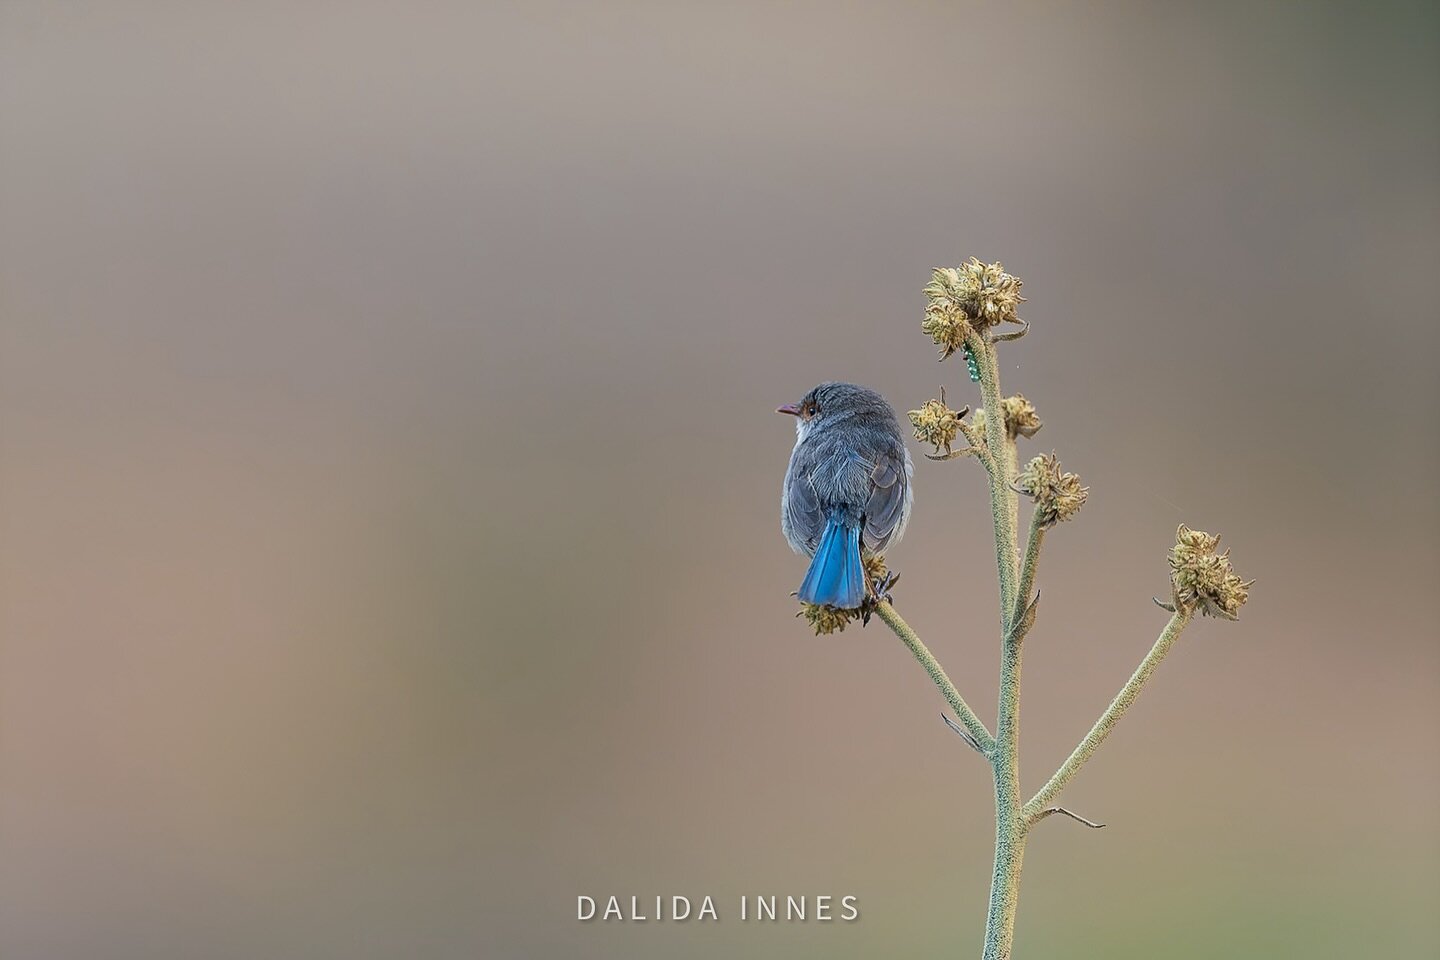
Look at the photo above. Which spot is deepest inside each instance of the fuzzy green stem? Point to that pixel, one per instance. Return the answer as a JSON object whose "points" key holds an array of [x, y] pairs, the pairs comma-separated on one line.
{"points": [[1009, 817], [1111, 716], [1004, 508], [886, 612]]}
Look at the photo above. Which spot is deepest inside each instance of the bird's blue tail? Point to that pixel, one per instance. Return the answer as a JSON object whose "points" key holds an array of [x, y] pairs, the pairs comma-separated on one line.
{"points": [[836, 575]]}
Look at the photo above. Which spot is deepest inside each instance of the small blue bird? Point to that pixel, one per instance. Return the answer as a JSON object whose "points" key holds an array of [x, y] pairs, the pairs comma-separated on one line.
{"points": [[848, 485]]}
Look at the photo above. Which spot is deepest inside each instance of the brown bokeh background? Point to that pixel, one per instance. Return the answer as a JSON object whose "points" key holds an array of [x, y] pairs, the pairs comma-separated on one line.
{"points": [[389, 543]]}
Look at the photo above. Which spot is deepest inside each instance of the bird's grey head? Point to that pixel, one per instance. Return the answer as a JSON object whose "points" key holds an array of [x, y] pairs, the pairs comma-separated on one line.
{"points": [[834, 402]]}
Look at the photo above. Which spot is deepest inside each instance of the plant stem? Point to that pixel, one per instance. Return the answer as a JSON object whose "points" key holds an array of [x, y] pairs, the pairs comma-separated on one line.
{"points": [[1009, 819], [886, 612], [1111, 716], [1003, 506]]}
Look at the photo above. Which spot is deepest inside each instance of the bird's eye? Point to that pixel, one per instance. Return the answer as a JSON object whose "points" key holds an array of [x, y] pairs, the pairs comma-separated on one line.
{"points": [[811, 410]]}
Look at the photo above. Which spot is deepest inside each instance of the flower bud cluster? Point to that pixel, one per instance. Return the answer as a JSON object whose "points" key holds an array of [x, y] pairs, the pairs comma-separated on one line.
{"points": [[936, 424], [1058, 495], [1201, 577], [1021, 419], [969, 298]]}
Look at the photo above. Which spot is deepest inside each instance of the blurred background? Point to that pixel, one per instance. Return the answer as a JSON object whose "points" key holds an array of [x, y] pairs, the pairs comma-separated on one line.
{"points": [[389, 482]]}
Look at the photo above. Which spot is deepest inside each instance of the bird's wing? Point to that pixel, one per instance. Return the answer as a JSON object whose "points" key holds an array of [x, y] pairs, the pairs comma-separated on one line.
{"points": [[885, 511], [803, 519]]}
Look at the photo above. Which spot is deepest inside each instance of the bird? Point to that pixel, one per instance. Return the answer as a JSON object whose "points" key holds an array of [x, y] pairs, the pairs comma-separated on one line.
{"points": [[848, 486]]}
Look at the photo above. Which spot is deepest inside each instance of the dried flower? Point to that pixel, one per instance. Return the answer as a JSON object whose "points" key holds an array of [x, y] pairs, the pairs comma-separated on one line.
{"points": [[1020, 418], [937, 424], [945, 319], [825, 618], [1202, 577], [1058, 495], [968, 298]]}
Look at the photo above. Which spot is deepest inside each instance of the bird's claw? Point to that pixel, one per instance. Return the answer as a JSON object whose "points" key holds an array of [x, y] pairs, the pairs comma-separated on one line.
{"points": [[883, 585], [879, 592]]}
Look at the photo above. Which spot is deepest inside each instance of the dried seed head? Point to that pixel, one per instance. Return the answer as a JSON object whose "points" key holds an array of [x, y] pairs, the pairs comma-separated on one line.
{"points": [[936, 424], [825, 618], [970, 297], [945, 319], [1058, 495], [995, 294], [1020, 417], [1201, 577]]}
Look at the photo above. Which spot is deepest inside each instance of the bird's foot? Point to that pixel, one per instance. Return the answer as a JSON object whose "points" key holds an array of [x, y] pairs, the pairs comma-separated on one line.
{"points": [[879, 592]]}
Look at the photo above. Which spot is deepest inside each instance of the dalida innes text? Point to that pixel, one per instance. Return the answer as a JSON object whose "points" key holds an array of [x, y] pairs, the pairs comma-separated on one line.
{"points": [[823, 908]]}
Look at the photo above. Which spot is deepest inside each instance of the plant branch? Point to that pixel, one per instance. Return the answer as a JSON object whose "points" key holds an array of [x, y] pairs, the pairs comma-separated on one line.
{"points": [[1112, 714], [1004, 507], [886, 612], [1027, 569], [1009, 814]]}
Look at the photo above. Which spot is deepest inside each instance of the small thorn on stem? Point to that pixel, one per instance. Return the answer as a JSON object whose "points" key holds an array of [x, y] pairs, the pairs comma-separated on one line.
{"points": [[964, 734], [1167, 607], [1069, 813]]}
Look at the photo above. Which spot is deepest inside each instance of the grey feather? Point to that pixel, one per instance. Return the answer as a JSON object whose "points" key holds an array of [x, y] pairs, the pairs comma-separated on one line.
{"points": [[849, 457]]}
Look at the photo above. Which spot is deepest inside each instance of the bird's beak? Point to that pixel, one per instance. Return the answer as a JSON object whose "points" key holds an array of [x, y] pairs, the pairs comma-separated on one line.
{"points": [[790, 408]]}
